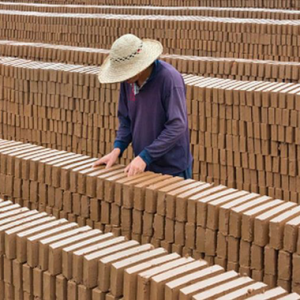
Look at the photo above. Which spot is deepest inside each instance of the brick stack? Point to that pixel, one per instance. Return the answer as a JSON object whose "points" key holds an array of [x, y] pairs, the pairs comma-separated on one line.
{"points": [[227, 68], [243, 134], [46, 258], [286, 4], [221, 12], [188, 35], [241, 231]]}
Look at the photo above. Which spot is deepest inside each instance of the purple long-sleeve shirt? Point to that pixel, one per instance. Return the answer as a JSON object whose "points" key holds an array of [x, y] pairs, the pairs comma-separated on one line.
{"points": [[155, 121]]}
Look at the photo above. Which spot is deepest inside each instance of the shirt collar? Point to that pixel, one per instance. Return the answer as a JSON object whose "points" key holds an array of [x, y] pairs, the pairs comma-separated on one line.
{"points": [[136, 88]]}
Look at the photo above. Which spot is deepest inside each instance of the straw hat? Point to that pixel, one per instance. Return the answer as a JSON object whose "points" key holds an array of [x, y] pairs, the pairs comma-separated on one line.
{"points": [[129, 56]]}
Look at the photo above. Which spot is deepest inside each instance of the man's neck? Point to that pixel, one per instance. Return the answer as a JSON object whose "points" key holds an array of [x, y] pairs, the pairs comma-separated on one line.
{"points": [[144, 75]]}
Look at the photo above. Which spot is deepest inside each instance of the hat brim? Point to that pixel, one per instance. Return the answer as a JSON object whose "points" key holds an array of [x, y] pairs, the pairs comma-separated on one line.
{"points": [[112, 74]]}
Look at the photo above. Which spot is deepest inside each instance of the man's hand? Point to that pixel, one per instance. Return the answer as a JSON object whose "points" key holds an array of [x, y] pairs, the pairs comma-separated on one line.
{"points": [[136, 166], [109, 159]]}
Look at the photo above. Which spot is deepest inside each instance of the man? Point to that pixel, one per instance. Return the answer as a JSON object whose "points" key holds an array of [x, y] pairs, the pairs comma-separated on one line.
{"points": [[152, 109]]}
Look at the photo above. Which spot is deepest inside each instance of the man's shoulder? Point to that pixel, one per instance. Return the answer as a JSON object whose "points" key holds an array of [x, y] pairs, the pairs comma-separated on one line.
{"points": [[169, 75]]}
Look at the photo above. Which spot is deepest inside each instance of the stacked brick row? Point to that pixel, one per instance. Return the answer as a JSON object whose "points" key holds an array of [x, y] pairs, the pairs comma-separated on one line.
{"points": [[251, 13], [286, 4], [243, 134], [228, 68], [186, 35], [241, 231], [46, 258]]}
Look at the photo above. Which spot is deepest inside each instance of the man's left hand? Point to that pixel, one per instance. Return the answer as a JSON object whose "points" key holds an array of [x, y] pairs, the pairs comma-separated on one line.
{"points": [[137, 166]]}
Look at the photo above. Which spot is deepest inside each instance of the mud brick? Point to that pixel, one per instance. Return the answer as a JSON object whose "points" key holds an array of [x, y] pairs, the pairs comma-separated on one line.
{"points": [[72, 290], [29, 164], [248, 218], [90, 268], [222, 246], [42, 164], [58, 201], [137, 221], [95, 209], [270, 280], [261, 223], [116, 214], [128, 189], [284, 265], [105, 212], [9, 291], [271, 258], [233, 249], [93, 179], [73, 176], [250, 290], [67, 201], [27, 279], [8, 267], [118, 186], [290, 235], [224, 211], [65, 171], [177, 249], [130, 274], [143, 278], [225, 288], [161, 194], [109, 186], [30, 217], [285, 284], [169, 230], [151, 193], [198, 287], [213, 208], [10, 235], [69, 157], [17, 275], [111, 269], [190, 235], [202, 205], [200, 239], [61, 287], [32, 241], [78, 256], [295, 289], [148, 220], [55, 175], [271, 294], [17, 188], [158, 227], [140, 190], [98, 295], [126, 218], [76, 207], [235, 220], [45, 243], [171, 198], [84, 293], [55, 250], [38, 282], [48, 286], [257, 257], [210, 242], [173, 287], [85, 206], [296, 270], [21, 238], [245, 271], [277, 227]]}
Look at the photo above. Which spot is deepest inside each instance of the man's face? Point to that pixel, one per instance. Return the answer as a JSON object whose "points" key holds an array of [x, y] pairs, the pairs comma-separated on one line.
{"points": [[133, 79]]}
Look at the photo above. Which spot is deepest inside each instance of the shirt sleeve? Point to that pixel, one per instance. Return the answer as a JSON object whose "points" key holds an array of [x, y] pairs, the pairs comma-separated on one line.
{"points": [[175, 126], [124, 136]]}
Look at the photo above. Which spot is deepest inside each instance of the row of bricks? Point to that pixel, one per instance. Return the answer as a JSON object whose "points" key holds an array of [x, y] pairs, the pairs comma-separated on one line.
{"points": [[266, 136], [286, 4], [185, 214], [232, 68], [158, 10], [51, 263], [191, 35]]}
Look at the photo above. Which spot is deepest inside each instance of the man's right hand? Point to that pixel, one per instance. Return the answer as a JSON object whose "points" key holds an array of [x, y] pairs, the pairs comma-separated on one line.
{"points": [[109, 160]]}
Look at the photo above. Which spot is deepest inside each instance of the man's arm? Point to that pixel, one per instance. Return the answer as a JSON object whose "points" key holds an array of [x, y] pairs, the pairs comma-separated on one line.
{"points": [[175, 126]]}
